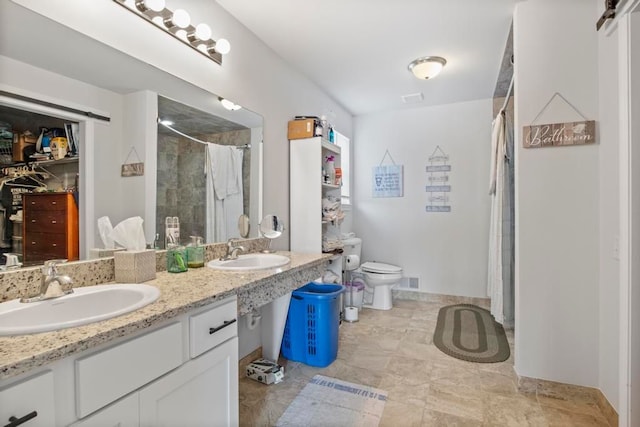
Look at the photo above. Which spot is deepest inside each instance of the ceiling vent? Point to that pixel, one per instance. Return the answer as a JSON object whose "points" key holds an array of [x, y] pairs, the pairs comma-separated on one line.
{"points": [[412, 98]]}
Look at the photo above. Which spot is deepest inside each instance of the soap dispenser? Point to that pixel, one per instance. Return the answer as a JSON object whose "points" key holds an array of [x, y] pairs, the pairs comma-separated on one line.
{"points": [[195, 253]]}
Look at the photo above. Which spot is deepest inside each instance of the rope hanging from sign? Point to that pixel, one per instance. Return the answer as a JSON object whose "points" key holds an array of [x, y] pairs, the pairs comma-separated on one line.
{"points": [[538, 135], [386, 153], [533, 122]]}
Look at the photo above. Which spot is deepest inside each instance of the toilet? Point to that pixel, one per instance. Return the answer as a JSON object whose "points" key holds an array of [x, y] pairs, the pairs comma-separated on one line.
{"points": [[377, 277]]}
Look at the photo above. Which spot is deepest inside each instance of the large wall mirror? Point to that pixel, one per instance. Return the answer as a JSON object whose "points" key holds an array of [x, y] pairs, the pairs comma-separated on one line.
{"points": [[200, 157], [177, 164]]}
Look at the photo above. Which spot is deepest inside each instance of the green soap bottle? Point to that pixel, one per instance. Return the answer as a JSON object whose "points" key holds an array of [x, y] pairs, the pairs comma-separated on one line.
{"points": [[195, 253], [176, 259]]}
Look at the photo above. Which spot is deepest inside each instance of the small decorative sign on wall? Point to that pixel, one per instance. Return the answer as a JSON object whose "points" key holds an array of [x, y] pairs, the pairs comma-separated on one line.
{"points": [[132, 169], [388, 180], [557, 134], [438, 187]]}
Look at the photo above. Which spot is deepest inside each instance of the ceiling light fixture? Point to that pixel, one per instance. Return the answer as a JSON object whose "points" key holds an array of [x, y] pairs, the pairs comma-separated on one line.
{"points": [[228, 104], [427, 67], [178, 24]]}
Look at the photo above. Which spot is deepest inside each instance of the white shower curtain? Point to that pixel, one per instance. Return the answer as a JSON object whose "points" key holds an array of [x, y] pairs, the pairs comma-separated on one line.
{"points": [[224, 191], [495, 284]]}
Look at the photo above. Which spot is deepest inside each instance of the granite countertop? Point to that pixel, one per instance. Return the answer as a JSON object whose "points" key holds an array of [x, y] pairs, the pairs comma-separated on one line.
{"points": [[179, 293]]}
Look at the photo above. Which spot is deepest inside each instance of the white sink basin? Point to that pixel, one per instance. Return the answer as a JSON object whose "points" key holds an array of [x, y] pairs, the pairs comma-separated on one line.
{"points": [[85, 305], [250, 262]]}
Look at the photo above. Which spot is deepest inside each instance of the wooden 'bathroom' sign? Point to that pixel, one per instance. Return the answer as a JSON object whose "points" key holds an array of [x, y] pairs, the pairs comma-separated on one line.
{"points": [[558, 134]]}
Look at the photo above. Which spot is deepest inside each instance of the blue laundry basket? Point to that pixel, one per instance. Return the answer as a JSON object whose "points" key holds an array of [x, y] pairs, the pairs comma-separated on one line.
{"points": [[311, 331]]}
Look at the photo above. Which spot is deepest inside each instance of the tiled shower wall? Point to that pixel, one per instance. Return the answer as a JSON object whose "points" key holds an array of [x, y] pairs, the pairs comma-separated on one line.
{"points": [[181, 182]]}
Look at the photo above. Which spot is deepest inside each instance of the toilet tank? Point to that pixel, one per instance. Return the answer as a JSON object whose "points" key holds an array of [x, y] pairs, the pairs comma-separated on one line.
{"points": [[352, 246]]}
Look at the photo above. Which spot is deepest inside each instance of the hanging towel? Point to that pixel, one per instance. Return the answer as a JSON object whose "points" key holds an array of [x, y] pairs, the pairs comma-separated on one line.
{"points": [[497, 144], [227, 178], [496, 183], [224, 191]]}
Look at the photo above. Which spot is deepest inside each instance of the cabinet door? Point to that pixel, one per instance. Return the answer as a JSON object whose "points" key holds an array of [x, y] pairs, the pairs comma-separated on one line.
{"points": [[27, 398], [202, 392], [123, 413]]}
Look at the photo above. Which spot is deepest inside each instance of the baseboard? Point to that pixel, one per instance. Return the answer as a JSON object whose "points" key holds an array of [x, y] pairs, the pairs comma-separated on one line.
{"points": [[440, 298], [561, 390], [609, 412]]}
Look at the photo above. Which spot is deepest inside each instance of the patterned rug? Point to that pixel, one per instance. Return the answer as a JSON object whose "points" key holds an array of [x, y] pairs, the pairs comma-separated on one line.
{"points": [[470, 333], [328, 401]]}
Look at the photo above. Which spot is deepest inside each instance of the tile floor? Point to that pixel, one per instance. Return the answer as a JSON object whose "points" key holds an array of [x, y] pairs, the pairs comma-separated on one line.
{"points": [[393, 350]]}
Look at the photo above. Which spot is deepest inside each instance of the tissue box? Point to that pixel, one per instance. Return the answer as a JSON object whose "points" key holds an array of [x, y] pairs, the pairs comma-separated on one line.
{"points": [[135, 266], [102, 253], [265, 371]]}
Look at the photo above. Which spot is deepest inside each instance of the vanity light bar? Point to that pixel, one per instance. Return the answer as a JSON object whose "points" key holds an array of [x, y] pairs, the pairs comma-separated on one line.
{"points": [[178, 25]]}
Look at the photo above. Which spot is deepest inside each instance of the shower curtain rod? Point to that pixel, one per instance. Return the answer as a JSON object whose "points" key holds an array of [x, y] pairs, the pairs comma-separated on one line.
{"points": [[506, 98], [196, 139]]}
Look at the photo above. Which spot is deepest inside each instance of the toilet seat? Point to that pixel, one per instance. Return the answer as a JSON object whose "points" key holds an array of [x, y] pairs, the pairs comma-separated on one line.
{"points": [[380, 268]]}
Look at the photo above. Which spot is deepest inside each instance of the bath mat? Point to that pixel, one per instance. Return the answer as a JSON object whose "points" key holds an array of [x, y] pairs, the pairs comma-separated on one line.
{"points": [[470, 333], [328, 401]]}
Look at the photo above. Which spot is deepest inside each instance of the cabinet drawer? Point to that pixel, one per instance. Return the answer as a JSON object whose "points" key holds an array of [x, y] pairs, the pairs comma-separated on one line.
{"points": [[212, 327], [103, 377], [47, 202], [35, 394], [45, 242], [46, 222]]}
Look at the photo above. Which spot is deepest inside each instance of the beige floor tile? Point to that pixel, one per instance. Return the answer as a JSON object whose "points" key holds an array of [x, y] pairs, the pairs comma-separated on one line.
{"points": [[516, 410], [563, 418], [432, 418], [415, 372], [584, 407], [419, 336], [456, 400], [393, 350], [399, 390], [398, 414]]}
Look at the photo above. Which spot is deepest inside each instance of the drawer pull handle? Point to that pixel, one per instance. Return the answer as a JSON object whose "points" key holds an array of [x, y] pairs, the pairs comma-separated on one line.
{"points": [[17, 421], [54, 244], [224, 325], [54, 202], [53, 221], [33, 221]]}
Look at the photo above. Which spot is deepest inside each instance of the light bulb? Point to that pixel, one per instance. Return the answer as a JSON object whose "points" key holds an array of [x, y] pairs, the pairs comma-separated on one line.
{"points": [[229, 105], [203, 32], [223, 46], [181, 18], [155, 5]]}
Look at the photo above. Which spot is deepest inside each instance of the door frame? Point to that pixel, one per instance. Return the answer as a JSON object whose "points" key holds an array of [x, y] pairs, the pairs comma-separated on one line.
{"points": [[629, 357]]}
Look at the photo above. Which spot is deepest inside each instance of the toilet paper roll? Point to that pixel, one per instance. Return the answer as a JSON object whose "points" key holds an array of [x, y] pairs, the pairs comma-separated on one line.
{"points": [[351, 262], [351, 314]]}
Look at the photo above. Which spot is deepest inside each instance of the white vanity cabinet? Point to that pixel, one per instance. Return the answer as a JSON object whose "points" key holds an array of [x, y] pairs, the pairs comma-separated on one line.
{"points": [[202, 392], [124, 413], [181, 373], [29, 403]]}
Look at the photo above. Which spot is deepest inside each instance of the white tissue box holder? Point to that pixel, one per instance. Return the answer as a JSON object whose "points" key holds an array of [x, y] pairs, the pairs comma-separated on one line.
{"points": [[95, 253], [135, 266]]}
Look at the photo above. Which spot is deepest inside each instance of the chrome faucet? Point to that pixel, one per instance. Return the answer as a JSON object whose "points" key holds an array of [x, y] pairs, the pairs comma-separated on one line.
{"points": [[232, 250], [49, 277]]}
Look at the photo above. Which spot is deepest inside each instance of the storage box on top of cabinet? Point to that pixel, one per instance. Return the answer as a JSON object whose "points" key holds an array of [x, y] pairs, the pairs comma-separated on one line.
{"points": [[301, 128], [50, 227]]}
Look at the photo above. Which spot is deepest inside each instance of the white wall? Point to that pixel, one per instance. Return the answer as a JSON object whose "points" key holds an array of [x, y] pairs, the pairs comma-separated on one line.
{"points": [[609, 294], [251, 75], [447, 251], [557, 196]]}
